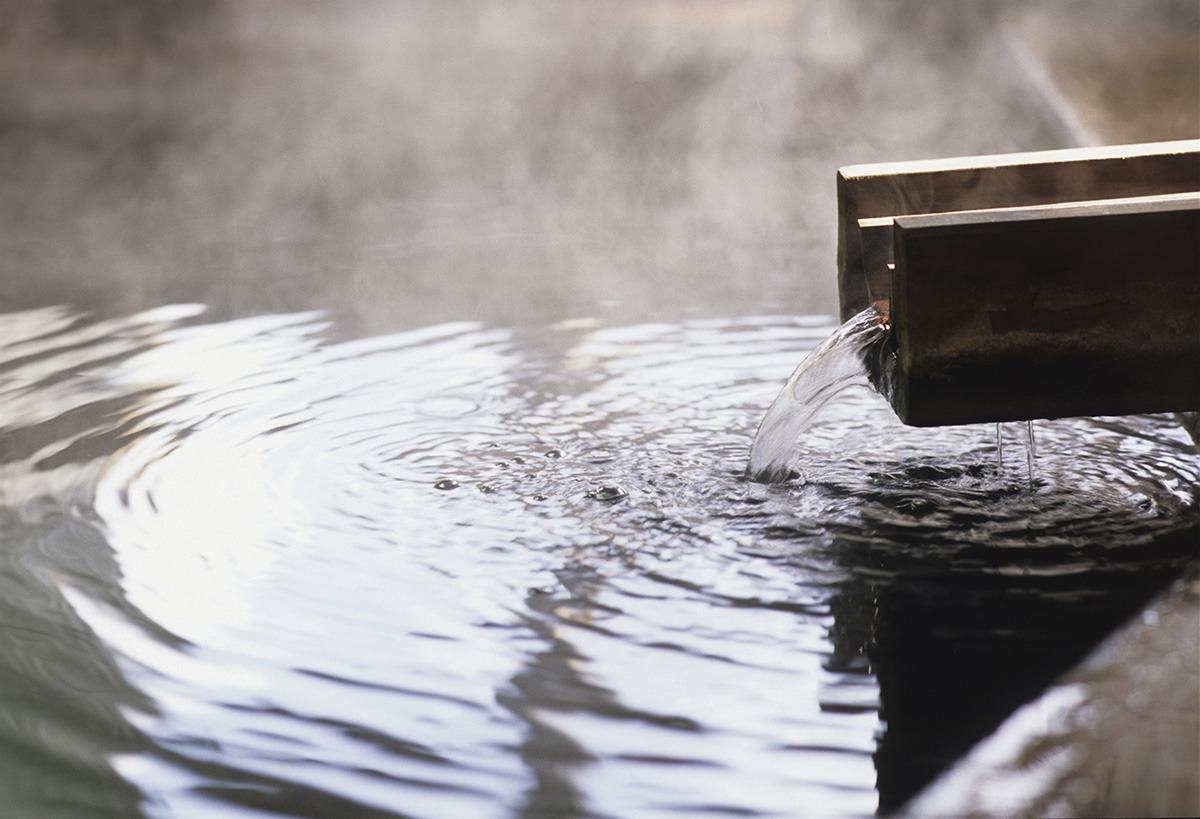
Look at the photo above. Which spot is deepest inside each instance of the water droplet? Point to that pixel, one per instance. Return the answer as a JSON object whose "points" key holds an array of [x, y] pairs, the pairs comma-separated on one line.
{"points": [[446, 483], [613, 492], [555, 454]]}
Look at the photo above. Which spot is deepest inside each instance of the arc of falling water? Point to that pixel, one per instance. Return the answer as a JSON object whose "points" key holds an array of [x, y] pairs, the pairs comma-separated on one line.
{"points": [[828, 371]]}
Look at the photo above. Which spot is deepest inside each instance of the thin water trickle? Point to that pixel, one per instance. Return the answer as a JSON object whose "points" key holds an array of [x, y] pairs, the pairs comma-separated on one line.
{"points": [[1029, 440], [834, 367], [248, 570], [1030, 452]]}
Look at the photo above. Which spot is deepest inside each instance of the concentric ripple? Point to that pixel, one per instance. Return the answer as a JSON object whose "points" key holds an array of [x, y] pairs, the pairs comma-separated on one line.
{"points": [[475, 571]]}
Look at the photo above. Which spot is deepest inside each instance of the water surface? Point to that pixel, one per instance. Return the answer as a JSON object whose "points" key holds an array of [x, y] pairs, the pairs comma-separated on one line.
{"points": [[250, 569]]}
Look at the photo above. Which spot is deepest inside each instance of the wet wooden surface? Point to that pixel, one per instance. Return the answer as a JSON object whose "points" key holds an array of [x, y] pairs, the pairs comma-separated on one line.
{"points": [[1051, 312], [869, 196]]}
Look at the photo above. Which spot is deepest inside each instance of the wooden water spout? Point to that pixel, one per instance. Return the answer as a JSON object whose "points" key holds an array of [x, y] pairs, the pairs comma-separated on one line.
{"points": [[1022, 286]]}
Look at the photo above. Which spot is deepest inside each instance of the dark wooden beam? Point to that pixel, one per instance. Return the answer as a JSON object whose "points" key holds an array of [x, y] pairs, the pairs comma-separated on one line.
{"points": [[982, 182], [1049, 311]]}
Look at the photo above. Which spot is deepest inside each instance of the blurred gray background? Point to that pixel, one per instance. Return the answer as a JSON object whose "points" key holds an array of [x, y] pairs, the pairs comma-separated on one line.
{"points": [[405, 163]]}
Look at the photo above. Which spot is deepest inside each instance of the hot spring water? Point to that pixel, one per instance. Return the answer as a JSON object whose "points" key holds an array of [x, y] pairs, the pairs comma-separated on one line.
{"points": [[249, 568]]}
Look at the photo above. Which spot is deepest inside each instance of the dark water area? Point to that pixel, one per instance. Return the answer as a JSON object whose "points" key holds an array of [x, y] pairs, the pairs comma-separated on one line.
{"points": [[250, 569]]}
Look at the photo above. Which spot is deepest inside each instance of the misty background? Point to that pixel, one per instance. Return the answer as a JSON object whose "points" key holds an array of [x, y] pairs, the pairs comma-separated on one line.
{"points": [[405, 163]]}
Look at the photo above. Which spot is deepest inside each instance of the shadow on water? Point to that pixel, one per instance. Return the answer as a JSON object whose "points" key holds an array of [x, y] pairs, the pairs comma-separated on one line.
{"points": [[958, 640], [979, 604]]}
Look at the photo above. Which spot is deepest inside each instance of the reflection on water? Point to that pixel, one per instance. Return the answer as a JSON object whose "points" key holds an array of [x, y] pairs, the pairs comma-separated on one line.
{"points": [[473, 571]]}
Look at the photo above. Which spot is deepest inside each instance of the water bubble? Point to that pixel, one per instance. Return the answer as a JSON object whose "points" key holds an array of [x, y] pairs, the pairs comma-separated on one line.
{"points": [[446, 483], [609, 493]]}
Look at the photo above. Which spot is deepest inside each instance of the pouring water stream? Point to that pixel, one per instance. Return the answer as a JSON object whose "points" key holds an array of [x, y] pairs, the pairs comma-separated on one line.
{"points": [[837, 365], [834, 367]]}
